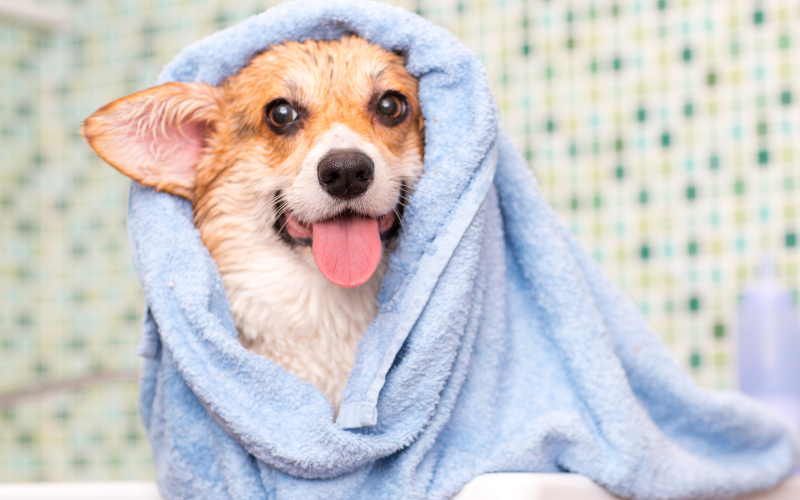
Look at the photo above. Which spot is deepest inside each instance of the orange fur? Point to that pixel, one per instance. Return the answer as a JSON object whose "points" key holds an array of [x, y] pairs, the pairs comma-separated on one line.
{"points": [[283, 307], [125, 132], [333, 81]]}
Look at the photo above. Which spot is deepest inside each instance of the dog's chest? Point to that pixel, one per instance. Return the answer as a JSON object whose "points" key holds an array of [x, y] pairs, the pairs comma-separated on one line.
{"points": [[289, 313]]}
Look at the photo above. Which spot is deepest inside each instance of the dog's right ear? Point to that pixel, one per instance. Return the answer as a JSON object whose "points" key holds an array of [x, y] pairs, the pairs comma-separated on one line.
{"points": [[156, 136]]}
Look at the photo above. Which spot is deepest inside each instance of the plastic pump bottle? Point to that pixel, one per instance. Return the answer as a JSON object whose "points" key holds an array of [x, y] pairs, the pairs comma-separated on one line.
{"points": [[769, 344]]}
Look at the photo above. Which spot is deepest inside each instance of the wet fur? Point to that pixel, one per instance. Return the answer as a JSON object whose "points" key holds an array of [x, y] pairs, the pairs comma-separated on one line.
{"points": [[212, 146]]}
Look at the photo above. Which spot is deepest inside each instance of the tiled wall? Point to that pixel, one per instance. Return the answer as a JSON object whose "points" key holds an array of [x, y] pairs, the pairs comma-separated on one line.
{"points": [[662, 131]]}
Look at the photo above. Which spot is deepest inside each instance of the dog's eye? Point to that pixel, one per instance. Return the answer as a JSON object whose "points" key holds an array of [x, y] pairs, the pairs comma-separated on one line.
{"points": [[391, 108], [280, 114]]}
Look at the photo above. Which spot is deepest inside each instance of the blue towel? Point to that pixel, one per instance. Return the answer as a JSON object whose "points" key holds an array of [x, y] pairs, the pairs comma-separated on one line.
{"points": [[498, 346]]}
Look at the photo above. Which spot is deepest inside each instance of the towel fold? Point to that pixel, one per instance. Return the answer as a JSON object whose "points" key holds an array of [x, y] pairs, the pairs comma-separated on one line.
{"points": [[498, 345]]}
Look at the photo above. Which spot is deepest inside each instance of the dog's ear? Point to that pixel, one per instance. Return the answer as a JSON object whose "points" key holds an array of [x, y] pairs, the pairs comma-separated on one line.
{"points": [[156, 136]]}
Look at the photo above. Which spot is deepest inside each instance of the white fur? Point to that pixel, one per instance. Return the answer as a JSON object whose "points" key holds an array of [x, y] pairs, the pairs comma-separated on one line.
{"points": [[283, 306], [310, 203], [288, 312]]}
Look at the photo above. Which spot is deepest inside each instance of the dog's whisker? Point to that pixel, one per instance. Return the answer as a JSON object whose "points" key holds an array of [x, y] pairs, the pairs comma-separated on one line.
{"points": [[428, 193], [416, 216], [264, 214], [383, 267], [415, 180], [399, 218], [424, 191], [283, 226]]}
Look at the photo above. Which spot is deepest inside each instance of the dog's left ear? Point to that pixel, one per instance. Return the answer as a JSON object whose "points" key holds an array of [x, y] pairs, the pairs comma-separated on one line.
{"points": [[156, 136]]}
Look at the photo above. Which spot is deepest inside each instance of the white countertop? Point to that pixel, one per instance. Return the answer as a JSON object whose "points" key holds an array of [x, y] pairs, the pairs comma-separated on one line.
{"points": [[486, 487]]}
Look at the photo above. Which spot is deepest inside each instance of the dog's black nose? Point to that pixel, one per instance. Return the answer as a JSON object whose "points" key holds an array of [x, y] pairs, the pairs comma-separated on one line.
{"points": [[345, 173]]}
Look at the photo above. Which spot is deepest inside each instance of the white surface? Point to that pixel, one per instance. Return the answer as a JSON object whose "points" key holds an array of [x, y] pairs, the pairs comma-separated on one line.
{"points": [[573, 487], [486, 487], [532, 487], [79, 491]]}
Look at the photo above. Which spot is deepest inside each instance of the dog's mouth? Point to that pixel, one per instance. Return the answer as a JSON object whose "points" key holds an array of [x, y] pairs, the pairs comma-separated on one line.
{"points": [[347, 248]]}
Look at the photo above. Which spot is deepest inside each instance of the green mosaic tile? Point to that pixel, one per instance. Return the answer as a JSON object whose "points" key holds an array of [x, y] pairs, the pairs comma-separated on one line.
{"points": [[662, 131]]}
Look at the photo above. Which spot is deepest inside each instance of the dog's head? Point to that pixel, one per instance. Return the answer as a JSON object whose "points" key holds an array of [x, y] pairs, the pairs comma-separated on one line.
{"points": [[313, 146]]}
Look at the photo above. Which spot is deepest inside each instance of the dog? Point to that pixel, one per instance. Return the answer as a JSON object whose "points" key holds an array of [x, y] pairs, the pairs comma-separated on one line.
{"points": [[298, 168]]}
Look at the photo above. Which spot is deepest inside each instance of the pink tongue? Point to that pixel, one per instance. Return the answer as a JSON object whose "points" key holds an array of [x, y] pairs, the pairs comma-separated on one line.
{"points": [[347, 250]]}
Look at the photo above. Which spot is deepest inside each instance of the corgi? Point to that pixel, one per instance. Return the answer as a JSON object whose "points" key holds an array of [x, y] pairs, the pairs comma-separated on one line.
{"points": [[298, 168]]}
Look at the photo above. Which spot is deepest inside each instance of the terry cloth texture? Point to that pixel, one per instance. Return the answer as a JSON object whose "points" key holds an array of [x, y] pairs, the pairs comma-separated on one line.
{"points": [[498, 346]]}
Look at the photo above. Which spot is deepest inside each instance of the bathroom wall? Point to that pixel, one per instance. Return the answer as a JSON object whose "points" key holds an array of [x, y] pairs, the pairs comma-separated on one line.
{"points": [[664, 132]]}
